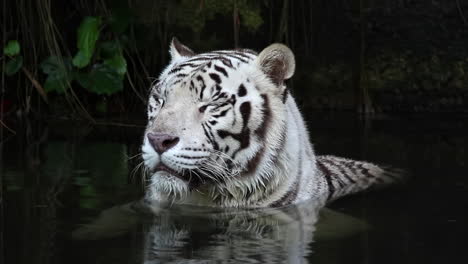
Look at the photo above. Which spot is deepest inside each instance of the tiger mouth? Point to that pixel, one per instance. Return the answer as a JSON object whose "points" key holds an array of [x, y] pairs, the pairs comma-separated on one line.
{"points": [[162, 167], [193, 182]]}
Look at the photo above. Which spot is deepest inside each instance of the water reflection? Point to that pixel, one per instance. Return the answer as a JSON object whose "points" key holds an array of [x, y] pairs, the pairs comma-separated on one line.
{"points": [[183, 234], [56, 178]]}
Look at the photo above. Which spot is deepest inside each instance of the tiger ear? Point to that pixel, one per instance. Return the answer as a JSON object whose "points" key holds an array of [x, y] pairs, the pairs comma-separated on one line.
{"points": [[277, 62], [178, 50]]}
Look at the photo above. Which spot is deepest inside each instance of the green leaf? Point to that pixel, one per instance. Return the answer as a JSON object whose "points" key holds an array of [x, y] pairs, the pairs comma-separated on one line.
{"points": [[56, 85], [14, 65], [102, 79], [88, 34], [118, 63], [81, 59], [59, 74], [55, 65], [109, 49], [12, 48]]}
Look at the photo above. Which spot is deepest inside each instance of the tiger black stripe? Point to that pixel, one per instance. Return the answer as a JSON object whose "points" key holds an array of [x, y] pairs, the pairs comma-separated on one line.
{"points": [[266, 117], [245, 109], [182, 66], [210, 137], [220, 95], [245, 56], [181, 75], [233, 53], [253, 164], [216, 108], [288, 197], [215, 77], [260, 132], [216, 91], [244, 136], [364, 171], [203, 86], [241, 92], [221, 70], [200, 59], [223, 113], [192, 86], [227, 63], [236, 57], [292, 193], [340, 168], [327, 174], [351, 166], [284, 96]]}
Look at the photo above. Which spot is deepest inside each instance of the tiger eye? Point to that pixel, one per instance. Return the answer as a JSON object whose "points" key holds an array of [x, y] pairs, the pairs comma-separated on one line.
{"points": [[202, 109]]}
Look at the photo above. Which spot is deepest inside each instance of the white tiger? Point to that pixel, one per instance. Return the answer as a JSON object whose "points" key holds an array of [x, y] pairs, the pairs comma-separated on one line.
{"points": [[223, 130]]}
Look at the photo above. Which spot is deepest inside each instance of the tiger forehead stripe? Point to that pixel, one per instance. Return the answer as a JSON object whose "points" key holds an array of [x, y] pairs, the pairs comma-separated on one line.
{"points": [[224, 56], [203, 86], [215, 77], [221, 70]]}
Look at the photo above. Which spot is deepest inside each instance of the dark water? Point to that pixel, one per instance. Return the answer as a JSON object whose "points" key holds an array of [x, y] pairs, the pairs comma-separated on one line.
{"points": [[57, 177]]}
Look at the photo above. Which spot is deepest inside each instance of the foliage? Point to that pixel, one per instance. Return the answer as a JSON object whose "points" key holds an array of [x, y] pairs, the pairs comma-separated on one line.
{"points": [[101, 73], [12, 50], [88, 34], [59, 74], [406, 72], [14, 65], [98, 64], [102, 79], [119, 36], [249, 12]]}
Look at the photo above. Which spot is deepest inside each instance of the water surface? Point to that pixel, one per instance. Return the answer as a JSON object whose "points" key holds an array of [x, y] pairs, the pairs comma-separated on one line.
{"points": [[59, 176]]}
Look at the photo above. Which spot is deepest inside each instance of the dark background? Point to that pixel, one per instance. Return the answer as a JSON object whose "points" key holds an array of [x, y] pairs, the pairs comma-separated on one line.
{"points": [[366, 56], [65, 129]]}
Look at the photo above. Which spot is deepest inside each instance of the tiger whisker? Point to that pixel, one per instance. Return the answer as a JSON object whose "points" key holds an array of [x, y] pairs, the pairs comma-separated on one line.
{"points": [[135, 170], [134, 156]]}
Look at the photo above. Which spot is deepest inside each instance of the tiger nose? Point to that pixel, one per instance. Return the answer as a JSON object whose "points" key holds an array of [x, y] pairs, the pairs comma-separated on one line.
{"points": [[162, 142]]}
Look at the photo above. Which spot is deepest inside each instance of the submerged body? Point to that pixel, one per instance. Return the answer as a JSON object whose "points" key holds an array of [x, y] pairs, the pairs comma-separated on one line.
{"points": [[223, 130]]}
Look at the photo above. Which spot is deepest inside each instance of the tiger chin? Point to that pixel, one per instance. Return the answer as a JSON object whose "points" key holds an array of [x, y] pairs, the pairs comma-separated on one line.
{"points": [[223, 130]]}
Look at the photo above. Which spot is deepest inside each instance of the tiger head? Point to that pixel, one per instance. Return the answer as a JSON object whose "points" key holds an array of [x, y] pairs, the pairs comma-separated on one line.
{"points": [[216, 118]]}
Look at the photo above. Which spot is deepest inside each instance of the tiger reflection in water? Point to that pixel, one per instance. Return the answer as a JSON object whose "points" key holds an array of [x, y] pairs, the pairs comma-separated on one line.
{"points": [[190, 234]]}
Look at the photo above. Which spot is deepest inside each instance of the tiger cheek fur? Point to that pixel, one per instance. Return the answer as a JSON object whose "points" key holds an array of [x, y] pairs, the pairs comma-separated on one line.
{"points": [[224, 131]]}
